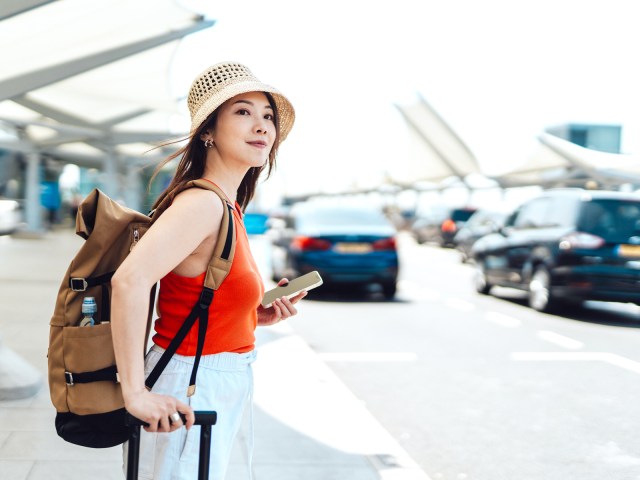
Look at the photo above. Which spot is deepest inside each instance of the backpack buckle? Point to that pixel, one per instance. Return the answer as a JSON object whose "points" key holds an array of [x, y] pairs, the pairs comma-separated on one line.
{"points": [[206, 296], [68, 378], [78, 284]]}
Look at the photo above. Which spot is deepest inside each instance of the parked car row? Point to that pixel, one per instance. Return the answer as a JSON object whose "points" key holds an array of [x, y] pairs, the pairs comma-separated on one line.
{"points": [[562, 247]]}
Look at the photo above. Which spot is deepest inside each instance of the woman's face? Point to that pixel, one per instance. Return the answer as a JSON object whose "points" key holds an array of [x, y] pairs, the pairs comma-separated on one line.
{"points": [[245, 129]]}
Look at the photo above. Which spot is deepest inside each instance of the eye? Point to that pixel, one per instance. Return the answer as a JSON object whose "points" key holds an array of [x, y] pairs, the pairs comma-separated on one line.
{"points": [[269, 116], [243, 111]]}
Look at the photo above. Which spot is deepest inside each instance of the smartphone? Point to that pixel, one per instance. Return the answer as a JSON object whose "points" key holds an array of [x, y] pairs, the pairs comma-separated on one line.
{"points": [[294, 287]]}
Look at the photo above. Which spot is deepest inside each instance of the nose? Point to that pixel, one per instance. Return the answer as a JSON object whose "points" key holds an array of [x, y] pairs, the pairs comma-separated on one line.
{"points": [[261, 127]]}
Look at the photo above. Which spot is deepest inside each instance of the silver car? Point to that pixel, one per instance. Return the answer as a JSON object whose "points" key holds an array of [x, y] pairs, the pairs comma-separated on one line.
{"points": [[10, 216]]}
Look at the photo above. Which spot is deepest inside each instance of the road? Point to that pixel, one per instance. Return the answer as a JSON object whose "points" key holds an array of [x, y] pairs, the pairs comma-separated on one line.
{"points": [[482, 387]]}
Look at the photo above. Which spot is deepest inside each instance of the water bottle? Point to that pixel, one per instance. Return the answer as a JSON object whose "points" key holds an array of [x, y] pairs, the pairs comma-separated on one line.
{"points": [[89, 310]]}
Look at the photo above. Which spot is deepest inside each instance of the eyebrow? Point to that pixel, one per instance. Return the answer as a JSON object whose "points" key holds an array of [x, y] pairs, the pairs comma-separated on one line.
{"points": [[250, 103]]}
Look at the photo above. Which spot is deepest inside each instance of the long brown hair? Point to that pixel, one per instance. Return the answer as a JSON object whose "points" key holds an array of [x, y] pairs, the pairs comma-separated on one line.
{"points": [[193, 158]]}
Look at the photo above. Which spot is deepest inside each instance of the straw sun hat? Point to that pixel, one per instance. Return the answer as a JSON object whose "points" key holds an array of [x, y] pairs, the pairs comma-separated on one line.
{"points": [[223, 81]]}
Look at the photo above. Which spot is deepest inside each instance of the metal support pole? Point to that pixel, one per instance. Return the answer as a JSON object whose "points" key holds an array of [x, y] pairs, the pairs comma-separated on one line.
{"points": [[110, 175], [33, 209], [133, 188]]}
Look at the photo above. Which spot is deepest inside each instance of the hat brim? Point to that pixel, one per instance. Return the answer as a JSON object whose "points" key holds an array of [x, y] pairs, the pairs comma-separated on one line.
{"points": [[285, 111]]}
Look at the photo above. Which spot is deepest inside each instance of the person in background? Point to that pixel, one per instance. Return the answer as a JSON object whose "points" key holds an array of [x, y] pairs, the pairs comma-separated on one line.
{"points": [[74, 205], [237, 124]]}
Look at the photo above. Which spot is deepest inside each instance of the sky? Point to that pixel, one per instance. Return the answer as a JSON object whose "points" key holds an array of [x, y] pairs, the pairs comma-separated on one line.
{"points": [[498, 71]]}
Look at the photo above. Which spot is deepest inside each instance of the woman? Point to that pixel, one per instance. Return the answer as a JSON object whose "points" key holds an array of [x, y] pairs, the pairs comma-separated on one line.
{"points": [[237, 125]]}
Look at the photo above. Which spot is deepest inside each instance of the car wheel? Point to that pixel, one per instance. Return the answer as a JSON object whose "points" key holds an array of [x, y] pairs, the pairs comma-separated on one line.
{"points": [[389, 290], [540, 298], [480, 279]]}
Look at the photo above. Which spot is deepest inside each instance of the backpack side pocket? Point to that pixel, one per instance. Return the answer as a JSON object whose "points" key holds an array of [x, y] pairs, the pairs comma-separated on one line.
{"points": [[90, 349]]}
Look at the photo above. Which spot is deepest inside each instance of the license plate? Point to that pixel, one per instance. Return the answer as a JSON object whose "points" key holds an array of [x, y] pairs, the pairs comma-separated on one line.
{"points": [[353, 247], [629, 250]]}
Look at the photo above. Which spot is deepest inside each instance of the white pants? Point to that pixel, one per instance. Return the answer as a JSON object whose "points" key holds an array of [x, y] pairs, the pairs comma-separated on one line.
{"points": [[225, 385]]}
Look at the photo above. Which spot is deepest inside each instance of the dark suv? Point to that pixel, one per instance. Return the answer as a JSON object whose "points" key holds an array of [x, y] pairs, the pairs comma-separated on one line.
{"points": [[564, 247]]}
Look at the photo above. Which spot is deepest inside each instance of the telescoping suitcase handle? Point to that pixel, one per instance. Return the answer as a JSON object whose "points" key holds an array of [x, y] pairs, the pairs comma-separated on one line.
{"points": [[203, 418]]}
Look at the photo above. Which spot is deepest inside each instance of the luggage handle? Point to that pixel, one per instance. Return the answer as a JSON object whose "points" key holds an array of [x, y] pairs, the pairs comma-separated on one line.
{"points": [[203, 418]]}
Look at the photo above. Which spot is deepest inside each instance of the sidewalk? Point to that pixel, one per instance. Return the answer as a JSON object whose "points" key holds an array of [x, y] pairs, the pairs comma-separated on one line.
{"points": [[307, 423]]}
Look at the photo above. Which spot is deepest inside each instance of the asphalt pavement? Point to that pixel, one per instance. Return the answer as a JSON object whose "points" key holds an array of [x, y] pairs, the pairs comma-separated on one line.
{"points": [[307, 423]]}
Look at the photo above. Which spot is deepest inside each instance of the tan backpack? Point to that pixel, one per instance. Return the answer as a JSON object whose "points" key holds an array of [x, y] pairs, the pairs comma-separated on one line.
{"points": [[83, 379]]}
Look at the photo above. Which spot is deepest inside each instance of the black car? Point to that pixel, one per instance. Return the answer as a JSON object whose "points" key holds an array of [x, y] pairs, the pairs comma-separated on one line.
{"points": [[441, 226], [564, 247], [481, 223]]}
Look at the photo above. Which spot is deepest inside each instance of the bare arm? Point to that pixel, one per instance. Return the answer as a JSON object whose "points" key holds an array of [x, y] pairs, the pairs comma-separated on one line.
{"points": [[193, 217]]}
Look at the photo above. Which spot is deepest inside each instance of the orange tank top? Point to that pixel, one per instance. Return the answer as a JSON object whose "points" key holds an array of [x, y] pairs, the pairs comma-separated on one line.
{"points": [[233, 312]]}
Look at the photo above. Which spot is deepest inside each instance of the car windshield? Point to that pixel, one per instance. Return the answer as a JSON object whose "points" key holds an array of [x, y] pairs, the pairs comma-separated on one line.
{"points": [[461, 215], [613, 220], [341, 217], [486, 217]]}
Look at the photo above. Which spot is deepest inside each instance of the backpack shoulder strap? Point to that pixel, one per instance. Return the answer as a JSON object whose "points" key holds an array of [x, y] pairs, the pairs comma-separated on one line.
{"points": [[224, 250]]}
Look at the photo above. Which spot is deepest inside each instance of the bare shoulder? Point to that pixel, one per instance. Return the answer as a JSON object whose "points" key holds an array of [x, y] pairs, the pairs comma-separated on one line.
{"points": [[198, 202], [193, 210]]}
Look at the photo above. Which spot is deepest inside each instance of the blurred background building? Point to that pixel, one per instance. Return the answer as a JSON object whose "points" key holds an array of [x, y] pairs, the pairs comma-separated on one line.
{"points": [[604, 138]]}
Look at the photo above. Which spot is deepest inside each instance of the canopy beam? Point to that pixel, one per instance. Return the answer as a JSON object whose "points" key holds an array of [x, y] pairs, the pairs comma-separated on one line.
{"points": [[22, 84], [11, 8]]}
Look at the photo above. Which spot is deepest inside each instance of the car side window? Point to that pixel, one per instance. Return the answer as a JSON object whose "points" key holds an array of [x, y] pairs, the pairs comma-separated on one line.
{"points": [[610, 218], [533, 214], [561, 212], [510, 221]]}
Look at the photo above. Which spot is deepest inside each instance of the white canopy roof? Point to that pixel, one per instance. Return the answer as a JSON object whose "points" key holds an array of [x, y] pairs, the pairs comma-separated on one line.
{"points": [[90, 73], [558, 161], [437, 152]]}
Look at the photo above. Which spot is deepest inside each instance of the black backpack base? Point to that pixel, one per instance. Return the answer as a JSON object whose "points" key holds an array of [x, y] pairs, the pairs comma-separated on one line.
{"points": [[102, 430]]}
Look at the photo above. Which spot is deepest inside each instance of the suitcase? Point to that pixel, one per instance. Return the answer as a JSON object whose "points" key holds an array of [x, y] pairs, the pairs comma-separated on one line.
{"points": [[203, 418]]}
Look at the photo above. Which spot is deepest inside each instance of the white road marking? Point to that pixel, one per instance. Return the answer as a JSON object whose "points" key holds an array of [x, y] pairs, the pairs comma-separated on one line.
{"points": [[623, 362], [560, 340], [610, 358], [502, 319], [459, 304], [368, 356]]}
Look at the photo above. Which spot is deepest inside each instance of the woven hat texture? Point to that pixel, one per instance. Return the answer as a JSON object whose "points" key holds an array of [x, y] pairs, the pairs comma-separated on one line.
{"points": [[223, 81]]}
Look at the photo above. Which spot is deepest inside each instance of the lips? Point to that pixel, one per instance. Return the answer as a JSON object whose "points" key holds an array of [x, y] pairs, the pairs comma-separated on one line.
{"points": [[258, 143]]}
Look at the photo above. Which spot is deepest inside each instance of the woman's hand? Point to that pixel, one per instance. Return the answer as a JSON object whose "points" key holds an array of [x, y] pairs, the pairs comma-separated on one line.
{"points": [[156, 410], [281, 309]]}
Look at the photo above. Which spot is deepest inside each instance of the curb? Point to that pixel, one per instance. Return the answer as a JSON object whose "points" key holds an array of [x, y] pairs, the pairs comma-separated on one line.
{"points": [[322, 407], [18, 379]]}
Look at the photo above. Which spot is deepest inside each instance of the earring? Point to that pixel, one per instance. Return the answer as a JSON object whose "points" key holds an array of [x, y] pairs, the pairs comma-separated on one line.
{"points": [[208, 143]]}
